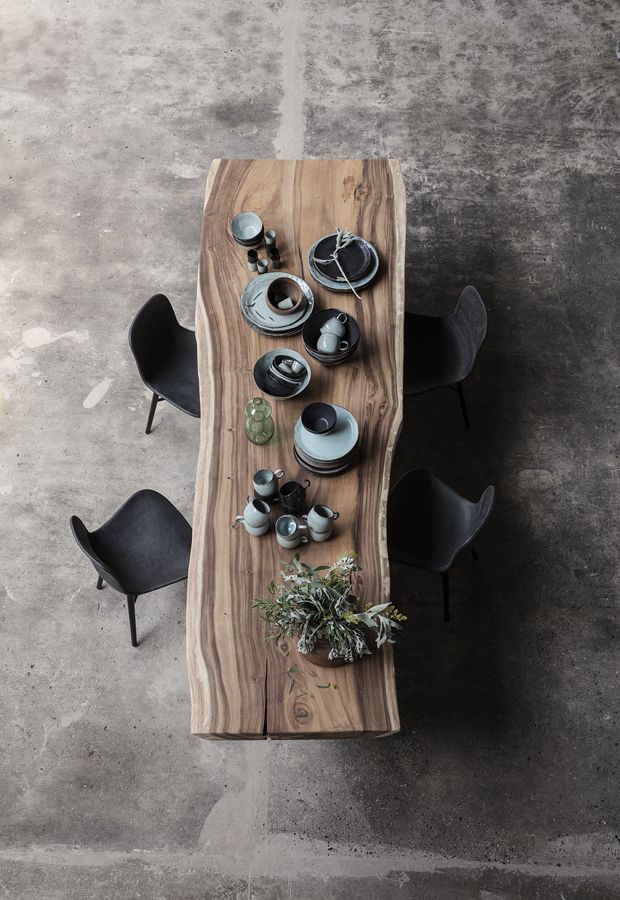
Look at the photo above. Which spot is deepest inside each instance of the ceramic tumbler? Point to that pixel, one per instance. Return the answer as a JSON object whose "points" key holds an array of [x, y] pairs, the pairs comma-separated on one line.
{"points": [[265, 482], [262, 265], [270, 237]]}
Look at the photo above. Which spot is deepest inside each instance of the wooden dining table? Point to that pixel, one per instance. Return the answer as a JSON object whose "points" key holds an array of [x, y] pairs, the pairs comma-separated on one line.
{"points": [[242, 684]]}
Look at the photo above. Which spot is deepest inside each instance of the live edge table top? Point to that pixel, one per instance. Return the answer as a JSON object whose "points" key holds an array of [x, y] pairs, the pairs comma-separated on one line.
{"points": [[240, 683]]}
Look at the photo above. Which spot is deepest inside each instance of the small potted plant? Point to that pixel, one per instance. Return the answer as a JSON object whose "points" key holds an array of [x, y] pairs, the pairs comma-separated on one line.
{"points": [[316, 605]]}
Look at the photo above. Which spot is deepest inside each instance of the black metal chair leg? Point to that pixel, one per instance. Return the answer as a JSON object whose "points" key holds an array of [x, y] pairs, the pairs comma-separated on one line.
{"points": [[99, 583], [445, 576], [474, 553], [131, 608], [154, 403], [459, 388]]}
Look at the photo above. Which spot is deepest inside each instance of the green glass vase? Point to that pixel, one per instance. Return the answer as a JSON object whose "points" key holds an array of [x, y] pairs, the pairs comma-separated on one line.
{"points": [[259, 425]]}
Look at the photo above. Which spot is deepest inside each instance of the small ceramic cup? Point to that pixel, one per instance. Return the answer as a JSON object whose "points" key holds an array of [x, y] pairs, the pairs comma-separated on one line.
{"points": [[265, 482], [290, 532], [252, 260], [252, 529], [262, 265], [293, 495], [319, 536], [270, 237], [274, 257], [336, 325], [321, 518], [329, 343]]}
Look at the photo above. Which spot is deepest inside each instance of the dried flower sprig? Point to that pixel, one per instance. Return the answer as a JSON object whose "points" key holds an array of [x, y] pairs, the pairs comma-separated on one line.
{"points": [[314, 603]]}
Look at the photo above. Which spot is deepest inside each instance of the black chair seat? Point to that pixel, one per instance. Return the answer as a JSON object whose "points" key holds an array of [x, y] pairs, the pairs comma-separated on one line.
{"points": [[429, 525], [144, 546]]}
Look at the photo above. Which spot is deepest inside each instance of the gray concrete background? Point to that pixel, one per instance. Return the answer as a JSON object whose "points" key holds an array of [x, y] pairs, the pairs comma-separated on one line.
{"points": [[504, 780]]}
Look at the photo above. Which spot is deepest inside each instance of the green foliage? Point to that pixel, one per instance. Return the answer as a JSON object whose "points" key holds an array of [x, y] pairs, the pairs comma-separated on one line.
{"points": [[314, 603]]}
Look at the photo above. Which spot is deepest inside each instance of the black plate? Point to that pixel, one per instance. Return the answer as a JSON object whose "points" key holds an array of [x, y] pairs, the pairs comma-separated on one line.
{"points": [[354, 259]]}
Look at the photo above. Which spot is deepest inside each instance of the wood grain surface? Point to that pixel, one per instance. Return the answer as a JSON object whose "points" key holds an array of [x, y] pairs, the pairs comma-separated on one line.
{"points": [[239, 682]]}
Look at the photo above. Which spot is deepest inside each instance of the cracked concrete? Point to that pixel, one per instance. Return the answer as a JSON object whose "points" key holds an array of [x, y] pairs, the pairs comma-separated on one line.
{"points": [[504, 780]]}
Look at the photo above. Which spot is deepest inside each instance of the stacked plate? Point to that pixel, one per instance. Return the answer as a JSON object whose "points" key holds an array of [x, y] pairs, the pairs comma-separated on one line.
{"points": [[331, 453], [256, 312], [312, 332], [359, 260]]}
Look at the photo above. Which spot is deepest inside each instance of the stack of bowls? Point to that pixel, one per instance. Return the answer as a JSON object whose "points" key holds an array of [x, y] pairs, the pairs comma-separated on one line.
{"points": [[312, 332], [282, 373], [326, 439], [248, 230]]}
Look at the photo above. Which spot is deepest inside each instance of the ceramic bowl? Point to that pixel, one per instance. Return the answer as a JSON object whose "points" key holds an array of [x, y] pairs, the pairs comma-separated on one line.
{"points": [[279, 290], [247, 229], [319, 418]]}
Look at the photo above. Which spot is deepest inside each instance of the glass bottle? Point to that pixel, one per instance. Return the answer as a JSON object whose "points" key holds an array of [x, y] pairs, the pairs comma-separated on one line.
{"points": [[259, 425]]}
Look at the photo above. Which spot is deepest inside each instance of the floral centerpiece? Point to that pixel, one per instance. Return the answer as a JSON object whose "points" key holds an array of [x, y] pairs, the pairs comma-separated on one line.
{"points": [[316, 605]]}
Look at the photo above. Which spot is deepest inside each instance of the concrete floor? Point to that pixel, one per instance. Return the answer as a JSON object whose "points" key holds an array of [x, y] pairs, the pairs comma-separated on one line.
{"points": [[504, 780]]}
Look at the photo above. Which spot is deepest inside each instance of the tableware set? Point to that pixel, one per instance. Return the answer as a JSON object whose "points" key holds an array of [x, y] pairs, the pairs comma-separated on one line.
{"points": [[248, 231], [292, 527], [262, 317], [281, 373], [359, 261], [328, 452], [331, 336]]}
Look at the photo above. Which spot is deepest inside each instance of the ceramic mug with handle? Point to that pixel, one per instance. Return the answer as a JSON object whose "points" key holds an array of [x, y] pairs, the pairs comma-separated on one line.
{"points": [[293, 496], [265, 482], [290, 532], [255, 530], [336, 325], [331, 343], [321, 518], [256, 512]]}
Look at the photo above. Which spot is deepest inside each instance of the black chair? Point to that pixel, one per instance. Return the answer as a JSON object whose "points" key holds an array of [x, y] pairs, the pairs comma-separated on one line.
{"points": [[441, 351], [166, 356], [430, 525], [144, 546]]}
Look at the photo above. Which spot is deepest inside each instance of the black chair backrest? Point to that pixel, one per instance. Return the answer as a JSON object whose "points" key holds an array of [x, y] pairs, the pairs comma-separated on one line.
{"points": [[456, 530], [481, 513], [469, 321], [82, 536], [151, 334]]}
